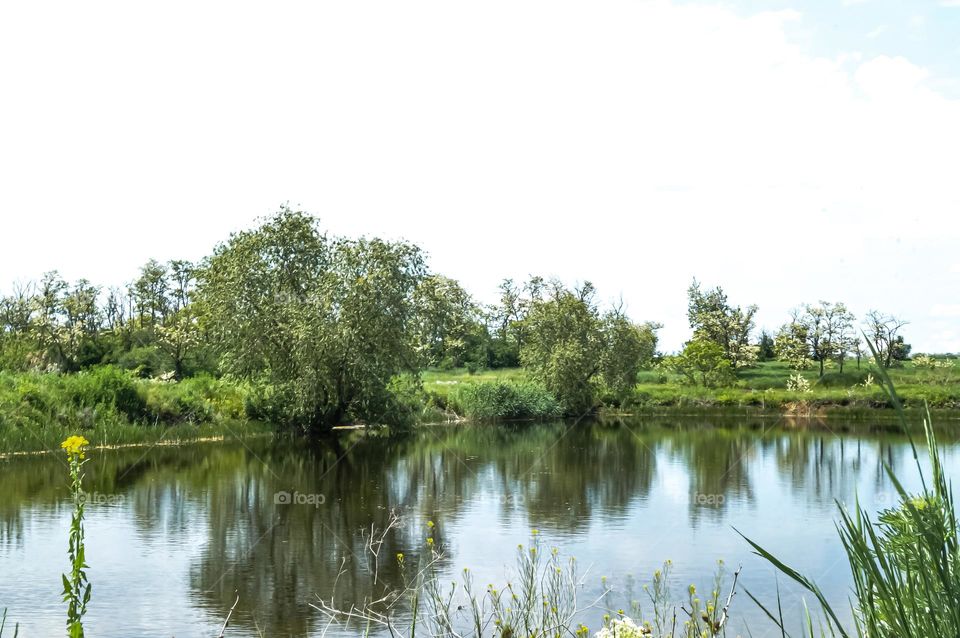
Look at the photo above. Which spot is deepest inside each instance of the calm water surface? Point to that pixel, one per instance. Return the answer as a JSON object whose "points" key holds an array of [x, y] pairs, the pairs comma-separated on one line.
{"points": [[175, 534]]}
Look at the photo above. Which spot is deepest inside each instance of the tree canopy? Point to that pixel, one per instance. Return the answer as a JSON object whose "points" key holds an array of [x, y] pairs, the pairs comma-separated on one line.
{"points": [[325, 324]]}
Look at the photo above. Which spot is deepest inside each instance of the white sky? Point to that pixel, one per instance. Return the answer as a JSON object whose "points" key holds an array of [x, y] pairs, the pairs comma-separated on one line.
{"points": [[636, 144]]}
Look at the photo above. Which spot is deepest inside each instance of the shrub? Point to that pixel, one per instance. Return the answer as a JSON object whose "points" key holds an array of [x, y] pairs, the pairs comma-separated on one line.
{"points": [[105, 386], [144, 362], [497, 400]]}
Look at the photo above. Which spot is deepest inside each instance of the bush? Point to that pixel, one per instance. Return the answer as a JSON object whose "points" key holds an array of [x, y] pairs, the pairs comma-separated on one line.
{"points": [[496, 400], [197, 399], [144, 362], [105, 386]]}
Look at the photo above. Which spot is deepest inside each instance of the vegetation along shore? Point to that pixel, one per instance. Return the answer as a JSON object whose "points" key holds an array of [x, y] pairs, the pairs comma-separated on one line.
{"points": [[288, 326]]}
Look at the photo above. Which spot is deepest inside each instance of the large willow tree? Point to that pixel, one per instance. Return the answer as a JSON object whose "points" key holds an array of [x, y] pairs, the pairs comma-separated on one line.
{"points": [[322, 324]]}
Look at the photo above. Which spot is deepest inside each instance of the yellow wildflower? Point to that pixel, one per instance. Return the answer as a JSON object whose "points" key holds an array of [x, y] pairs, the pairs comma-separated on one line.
{"points": [[75, 446]]}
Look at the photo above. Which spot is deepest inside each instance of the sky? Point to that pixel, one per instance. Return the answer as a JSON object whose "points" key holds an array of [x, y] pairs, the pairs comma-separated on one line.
{"points": [[789, 152]]}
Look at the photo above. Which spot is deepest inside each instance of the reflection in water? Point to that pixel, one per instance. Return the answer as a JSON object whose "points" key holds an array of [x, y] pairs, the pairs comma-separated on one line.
{"points": [[178, 533]]}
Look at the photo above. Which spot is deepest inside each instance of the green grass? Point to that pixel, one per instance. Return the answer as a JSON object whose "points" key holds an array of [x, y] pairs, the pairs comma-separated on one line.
{"points": [[761, 388], [503, 401], [110, 407]]}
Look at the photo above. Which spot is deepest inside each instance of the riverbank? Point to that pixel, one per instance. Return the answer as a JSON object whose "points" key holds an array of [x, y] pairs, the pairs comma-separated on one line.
{"points": [[762, 388], [110, 407]]}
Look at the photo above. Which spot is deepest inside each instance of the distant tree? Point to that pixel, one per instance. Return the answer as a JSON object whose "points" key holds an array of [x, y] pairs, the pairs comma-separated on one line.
{"points": [[791, 344], [821, 332], [628, 347], [837, 332], [702, 362], [564, 344], [712, 318], [181, 283], [765, 347], [883, 333], [178, 337], [149, 293], [324, 324], [856, 348], [16, 319], [450, 330]]}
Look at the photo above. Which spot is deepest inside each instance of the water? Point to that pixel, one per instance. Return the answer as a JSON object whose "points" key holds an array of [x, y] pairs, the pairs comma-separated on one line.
{"points": [[174, 535]]}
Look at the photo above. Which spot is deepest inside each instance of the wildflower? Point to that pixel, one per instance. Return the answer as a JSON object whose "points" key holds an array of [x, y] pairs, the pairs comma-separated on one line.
{"points": [[430, 541], [75, 446], [430, 524]]}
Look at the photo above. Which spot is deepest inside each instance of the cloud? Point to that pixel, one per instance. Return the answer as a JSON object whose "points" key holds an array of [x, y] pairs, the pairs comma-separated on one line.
{"points": [[633, 143]]}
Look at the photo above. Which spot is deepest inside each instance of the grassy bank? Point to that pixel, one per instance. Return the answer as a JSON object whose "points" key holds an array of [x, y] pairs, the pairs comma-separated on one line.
{"points": [[761, 388], [110, 407]]}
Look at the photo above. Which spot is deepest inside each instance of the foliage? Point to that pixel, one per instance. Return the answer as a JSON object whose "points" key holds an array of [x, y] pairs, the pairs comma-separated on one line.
{"points": [[450, 331], [882, 332], [702, 362], [790, 345], [766, 347], [109, 404], [798, 383], [906, 567], [714, 320], [540, 600], [321, 324], [564, 345], [76, 586], [627, 348], [105, 387], [824, 331], [928, 362], [498, 400]]}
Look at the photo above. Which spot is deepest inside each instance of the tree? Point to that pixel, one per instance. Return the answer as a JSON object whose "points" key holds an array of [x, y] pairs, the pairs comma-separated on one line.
{"points": [[178, 337], [506, 319], [181, 283], [791, 344], [765, 347], [822, 332], [856, 348], [712, 318], [882, 331], [149, 293], [449, 327], [564, 345], [703, 362], [325, 324], [837, 332], [627, 348]]}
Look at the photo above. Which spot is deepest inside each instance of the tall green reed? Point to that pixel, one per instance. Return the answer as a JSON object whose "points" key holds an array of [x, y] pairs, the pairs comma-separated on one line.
{"points": [[905, 564], [76, 586]]}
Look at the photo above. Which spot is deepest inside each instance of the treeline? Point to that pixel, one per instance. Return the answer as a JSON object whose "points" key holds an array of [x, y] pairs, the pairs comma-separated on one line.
{"points": [[325, 329], [328, 329], [816, 334]]}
